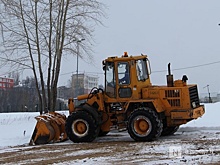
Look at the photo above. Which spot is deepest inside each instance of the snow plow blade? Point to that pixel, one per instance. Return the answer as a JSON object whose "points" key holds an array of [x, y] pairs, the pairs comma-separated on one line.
{"points": [[50, 128]]}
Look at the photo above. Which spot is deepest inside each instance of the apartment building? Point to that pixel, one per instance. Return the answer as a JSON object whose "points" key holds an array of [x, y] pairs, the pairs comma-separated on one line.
{"points": [[6, 83], [85, 83]]}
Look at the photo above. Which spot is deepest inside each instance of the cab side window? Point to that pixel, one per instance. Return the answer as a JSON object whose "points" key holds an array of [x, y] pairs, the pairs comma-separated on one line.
{"points": [[110, 79]]}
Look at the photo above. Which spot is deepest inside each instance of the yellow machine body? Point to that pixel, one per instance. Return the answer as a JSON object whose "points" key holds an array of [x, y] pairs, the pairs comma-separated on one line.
{"points": [[135, 105], [128, 101]]}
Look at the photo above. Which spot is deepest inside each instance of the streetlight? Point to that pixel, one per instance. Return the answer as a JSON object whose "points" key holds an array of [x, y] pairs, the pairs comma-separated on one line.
{"points": [[77, 65], [210, 99]]}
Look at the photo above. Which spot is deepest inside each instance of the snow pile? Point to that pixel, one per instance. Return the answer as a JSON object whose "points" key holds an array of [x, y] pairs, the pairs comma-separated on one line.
{"points": [[17, 128]]}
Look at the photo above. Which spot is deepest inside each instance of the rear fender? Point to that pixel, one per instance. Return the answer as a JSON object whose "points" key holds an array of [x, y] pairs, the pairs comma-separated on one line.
{"points": [[155, 104]]}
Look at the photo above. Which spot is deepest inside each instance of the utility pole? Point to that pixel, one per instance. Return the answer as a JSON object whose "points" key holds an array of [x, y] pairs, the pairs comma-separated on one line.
{"points": [[210, 99], [77, 66]]}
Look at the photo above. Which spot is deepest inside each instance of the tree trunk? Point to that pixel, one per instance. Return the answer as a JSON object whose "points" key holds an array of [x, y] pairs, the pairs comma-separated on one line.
{"points": [[36, 34]]}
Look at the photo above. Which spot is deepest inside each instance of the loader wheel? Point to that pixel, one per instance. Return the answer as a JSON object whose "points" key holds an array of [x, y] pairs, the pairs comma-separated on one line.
{"points": [[103, 133], [144, 125], [81, 127], [169, 130]]}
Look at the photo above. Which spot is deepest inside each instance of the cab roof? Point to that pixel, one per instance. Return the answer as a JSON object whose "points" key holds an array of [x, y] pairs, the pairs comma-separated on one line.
{"points": [[125, 57]]}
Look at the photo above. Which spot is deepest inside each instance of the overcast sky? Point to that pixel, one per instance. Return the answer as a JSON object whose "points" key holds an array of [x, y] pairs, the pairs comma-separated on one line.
{"points": [[185, 33]]}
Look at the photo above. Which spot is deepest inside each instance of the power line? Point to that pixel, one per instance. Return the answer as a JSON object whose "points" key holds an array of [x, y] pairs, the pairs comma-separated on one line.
{"points": [[190, 67], [79, 71]]}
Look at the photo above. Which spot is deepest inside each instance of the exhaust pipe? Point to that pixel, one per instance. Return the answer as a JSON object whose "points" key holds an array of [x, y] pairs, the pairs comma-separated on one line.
{"points": [[169, 77]]}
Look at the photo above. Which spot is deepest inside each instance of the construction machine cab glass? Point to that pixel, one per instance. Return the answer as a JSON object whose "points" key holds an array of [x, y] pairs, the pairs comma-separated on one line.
{"points": [[124, 74], [110, 79], [143, 70]]}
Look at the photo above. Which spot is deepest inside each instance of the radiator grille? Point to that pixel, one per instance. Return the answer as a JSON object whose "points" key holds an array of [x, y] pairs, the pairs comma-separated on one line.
{"points": [[172, 93], [194, 96], [173, 97], [174, 102]]}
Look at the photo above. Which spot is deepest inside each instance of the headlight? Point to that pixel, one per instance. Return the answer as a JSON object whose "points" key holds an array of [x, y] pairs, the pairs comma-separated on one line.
{"points": [[194, 104]]}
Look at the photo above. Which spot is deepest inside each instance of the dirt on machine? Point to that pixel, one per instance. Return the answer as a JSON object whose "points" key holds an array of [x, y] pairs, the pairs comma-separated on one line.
{"points": [[128, 102]]}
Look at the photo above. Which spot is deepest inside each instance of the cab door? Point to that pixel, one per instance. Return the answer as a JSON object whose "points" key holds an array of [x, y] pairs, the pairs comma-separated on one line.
{"points": [[123, 80]]}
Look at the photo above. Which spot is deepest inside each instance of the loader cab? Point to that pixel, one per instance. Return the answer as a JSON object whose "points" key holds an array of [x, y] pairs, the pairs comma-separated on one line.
{"points": [[125, 77]]}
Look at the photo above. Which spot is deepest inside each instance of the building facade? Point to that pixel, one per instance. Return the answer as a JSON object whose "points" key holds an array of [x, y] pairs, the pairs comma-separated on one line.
{"points": [[85, 83], [6, 83]]}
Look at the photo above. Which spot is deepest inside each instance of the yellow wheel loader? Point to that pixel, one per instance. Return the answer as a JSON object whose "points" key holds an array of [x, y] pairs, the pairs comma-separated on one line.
{"points": [[128, 102]]}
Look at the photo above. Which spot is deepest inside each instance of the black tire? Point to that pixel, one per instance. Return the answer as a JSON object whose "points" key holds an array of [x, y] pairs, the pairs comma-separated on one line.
{"points": [[103, 133], [144, 125], [169, 130], [81, 127]]}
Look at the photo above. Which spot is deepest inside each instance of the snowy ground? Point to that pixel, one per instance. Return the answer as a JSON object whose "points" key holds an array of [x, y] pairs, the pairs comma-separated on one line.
{"points": [[195, 143]]}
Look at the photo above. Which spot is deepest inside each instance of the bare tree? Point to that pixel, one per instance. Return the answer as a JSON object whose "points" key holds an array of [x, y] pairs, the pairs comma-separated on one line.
{"points": [[36, 34]]}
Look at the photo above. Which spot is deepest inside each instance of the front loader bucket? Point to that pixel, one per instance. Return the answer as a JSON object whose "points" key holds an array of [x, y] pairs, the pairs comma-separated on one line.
{"points": [[50, 127]]}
